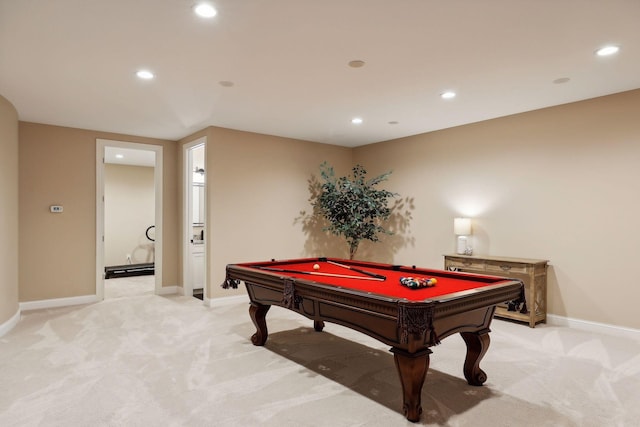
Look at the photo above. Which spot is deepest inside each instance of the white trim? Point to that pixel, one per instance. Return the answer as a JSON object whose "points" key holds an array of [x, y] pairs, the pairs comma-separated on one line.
{"points": [[101, 144], [168, 290], [187, 204], [181, 292], [58, 302], [233, 299], [11, 323], [595, 327]]}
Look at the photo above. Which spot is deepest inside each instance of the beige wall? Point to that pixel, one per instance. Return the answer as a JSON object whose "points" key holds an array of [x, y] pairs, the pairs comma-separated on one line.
{"points": [[257, 187], [57, 251], [561, 183], [8, 211], [129, 209]]}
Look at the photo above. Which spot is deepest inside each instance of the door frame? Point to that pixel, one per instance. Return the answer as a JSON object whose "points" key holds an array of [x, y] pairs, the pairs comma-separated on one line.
{"points": [[187, 206], [101, 144]]}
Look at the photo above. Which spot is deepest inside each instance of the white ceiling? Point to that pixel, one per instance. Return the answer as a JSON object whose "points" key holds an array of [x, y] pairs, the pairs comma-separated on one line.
{"points": [[73, 63]]}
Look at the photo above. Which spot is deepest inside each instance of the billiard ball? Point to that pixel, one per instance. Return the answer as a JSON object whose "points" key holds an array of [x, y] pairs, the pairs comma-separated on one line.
{"points": [[316, 267]]}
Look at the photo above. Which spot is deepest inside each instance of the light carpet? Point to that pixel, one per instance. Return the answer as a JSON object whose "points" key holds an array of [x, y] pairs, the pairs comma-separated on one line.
{"points": [[137, 359]]}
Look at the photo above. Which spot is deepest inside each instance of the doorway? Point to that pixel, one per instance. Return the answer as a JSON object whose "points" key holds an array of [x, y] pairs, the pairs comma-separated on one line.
{"points": [[143, 257], [194, 246]]}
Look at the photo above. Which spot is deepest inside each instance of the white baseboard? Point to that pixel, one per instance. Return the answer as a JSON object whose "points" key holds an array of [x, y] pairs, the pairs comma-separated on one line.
{"points": [[214, 302], [586, 325], [85, 299], [169, 290], [552, 319], [58, 302], [11, 323]]}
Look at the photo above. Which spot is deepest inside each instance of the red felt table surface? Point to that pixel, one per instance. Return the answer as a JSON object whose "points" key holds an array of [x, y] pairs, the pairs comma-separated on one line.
{"points": [[391, 287]]}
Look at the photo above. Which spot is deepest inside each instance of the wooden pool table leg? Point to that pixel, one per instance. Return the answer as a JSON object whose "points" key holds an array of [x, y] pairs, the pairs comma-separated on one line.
{"points": [[318, 325], [477, 346], [412, 369], [258, 313]]}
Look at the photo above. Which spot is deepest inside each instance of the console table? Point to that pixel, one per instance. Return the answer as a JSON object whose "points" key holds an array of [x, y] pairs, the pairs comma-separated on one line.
{"points": [[532, 272]]}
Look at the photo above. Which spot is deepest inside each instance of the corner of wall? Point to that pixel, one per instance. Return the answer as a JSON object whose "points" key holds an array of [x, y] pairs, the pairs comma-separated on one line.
{"points": [[9, 308]]}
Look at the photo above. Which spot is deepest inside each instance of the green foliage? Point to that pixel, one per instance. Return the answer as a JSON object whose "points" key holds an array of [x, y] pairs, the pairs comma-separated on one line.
{"points": [[353, 206]]}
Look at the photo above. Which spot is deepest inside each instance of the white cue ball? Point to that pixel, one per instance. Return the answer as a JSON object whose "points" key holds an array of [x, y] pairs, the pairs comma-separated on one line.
{"points": [[316, 267]]}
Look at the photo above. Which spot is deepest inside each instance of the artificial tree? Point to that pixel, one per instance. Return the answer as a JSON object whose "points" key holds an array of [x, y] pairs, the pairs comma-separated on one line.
{"points": [[353, 206]]}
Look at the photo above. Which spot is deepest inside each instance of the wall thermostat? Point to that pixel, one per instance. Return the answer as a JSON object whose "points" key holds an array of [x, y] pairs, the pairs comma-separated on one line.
{"points": [[56, 208]]}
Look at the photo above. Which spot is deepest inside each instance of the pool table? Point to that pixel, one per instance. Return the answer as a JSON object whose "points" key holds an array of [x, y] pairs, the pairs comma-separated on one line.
{"points": [[370, 298]]}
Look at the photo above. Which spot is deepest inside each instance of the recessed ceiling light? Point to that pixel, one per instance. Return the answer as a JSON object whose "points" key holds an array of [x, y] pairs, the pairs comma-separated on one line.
{"points": [[356, 63], [145, 74], [393, 122], [356, 120], [607, 50], [119, 156], [561, 80], [205, 10], [225, 83], [448, 95]]}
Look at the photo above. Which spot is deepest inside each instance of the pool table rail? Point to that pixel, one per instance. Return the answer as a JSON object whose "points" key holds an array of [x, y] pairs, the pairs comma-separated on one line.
{"points": [[381, 317]]}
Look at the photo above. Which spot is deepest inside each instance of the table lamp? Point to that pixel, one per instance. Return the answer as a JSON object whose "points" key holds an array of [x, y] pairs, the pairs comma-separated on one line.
{"points": [[462, 229]]}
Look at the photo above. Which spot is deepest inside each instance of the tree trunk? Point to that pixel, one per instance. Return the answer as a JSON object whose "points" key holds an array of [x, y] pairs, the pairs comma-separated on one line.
{"points": [[353, 247]]}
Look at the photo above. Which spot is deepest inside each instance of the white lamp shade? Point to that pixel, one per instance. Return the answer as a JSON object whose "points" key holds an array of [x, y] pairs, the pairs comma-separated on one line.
{"points": [[462, 226]]}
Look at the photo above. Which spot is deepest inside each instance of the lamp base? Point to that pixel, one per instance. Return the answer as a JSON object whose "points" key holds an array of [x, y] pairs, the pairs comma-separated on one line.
{"points": [[462, 245]]}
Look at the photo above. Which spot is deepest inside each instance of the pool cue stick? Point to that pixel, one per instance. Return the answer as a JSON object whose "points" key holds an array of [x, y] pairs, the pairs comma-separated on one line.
{"points": [[368, 273], [317, 273]]}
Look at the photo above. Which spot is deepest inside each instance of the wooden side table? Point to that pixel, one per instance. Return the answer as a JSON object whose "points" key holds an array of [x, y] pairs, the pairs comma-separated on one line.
{"points": [[532, 272]]}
